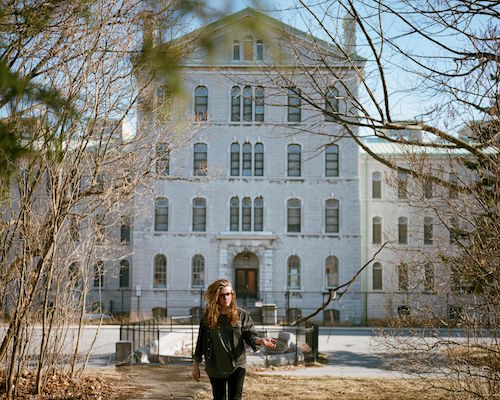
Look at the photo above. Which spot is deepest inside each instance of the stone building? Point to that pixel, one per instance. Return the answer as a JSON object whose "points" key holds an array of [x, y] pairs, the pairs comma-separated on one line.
{"points": [[253, 197]]}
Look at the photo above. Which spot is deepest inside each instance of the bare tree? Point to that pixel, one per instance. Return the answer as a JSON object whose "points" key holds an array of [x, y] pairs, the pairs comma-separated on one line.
{"points": [[70, 89], [443, 56]]}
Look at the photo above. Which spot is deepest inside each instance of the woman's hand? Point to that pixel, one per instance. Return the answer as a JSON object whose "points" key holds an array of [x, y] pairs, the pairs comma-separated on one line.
{"points": [[267, 342], [196, 371]]}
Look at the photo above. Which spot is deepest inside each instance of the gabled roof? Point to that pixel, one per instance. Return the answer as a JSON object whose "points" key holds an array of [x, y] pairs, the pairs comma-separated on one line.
{"points": [[262, 18]]}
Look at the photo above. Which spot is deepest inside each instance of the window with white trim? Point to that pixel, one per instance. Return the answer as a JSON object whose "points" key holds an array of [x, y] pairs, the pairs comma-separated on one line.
{"points": [[377, 276], [199, 214], [293, 215], [160, 271], [293, 273], [332, 216], [198, 271], [294, 160], [161, 214], [201, 103], [332, 160], [332, 272]]}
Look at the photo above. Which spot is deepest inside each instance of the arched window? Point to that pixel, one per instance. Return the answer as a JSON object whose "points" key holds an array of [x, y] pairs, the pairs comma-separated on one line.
{"points": [[198, 271], [294, 160], [377, 230], [234, 214], [260, 50], [247, 160], [200, 159], [73, 274], [201, 103], [428, 230], [294, 105], [402, 185], [258, 159], [377, 276], [160, 271], [124, 274], [332, 271], [247, 103], [162, 159], [248, 48], [332, 160], [98, 274], [258, 214], [236, 104], [161, 215], [429, 277], [236, 50], [293, 273], [199, 215], [403, 277], [332, 216], [331, 103], [377, 185], [246, 214], [125, 230], [293, 215], [403, 230], [259, 104], [235, 159]]}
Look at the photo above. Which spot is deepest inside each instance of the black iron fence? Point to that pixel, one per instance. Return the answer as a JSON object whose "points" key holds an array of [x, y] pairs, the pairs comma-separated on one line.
{"points": [[141, 333]]}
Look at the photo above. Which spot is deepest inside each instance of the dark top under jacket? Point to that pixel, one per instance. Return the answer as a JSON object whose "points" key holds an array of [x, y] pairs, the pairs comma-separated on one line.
{"points": [[224, 346]]}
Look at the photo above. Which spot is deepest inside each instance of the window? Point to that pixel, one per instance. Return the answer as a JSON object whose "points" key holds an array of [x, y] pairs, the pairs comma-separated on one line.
{"points": [[454, 279], [260, 50], [100, 228], [332, 216], [259, 104], [402, 185], [247, 160], [161, 215], [332, 160], [293, 215], [236, 50], [162, 159], [246, 214], [294, 160], [428, 188], [234, 214], [403, 230], [453, 229], [331, 103], [452, 190], [201, 103], [377, 276], [235, 104], [376, 185], [74, 228], [247, 103], [428, 230], [160, 272], [332, 271], [199, 215], [124, 274], [258, 160], [377, 230], [198, 271], [403, 277], [293, 273], [258, 214], [248, 48], [200, 159], [125, 230], [98, 274], [294, 105], [73, 274], [235, 159], [429, 277]]}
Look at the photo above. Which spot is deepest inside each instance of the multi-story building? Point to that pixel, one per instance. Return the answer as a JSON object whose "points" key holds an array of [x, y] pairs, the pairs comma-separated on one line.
{"points": [[253, 197]]}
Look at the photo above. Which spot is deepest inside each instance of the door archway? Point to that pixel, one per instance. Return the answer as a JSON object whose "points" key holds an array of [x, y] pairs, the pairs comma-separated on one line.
{"points": [[246, 276]]}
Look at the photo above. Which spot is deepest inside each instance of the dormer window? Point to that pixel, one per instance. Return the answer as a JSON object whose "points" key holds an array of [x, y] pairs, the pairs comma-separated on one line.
{"points": [[248, 48], [236, 50], [260, 50]]}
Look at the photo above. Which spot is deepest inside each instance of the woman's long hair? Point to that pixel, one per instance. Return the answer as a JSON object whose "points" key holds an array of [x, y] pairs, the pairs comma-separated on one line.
{"points": [[212, 309]]}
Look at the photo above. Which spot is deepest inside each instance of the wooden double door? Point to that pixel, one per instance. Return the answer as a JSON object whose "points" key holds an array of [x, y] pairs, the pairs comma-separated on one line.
{"points": [[246, 276]]}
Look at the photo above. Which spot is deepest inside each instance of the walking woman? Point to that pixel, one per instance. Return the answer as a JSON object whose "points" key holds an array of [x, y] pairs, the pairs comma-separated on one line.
{"points": [[224, 330]]}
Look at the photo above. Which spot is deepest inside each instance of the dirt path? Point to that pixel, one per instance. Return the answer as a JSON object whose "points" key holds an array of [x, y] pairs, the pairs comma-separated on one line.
{"points": [[174, 382]]}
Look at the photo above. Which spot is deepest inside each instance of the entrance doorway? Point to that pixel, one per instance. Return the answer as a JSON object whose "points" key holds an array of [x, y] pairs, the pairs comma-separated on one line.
{"points": [[246, 274]]}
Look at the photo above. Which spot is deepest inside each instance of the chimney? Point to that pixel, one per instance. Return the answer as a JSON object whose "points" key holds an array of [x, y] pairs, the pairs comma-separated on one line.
{"points": [[349, 26]]}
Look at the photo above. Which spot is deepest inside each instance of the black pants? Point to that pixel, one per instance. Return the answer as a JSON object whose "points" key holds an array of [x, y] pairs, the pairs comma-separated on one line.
{"points": [[234, 385]]}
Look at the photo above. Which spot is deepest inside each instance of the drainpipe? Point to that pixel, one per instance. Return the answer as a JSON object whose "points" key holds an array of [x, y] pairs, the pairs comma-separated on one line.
{"points": [[364, 205]]}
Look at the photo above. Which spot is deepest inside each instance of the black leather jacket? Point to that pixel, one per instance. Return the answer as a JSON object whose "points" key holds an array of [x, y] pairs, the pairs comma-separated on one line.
{"points": [[243, 332]]}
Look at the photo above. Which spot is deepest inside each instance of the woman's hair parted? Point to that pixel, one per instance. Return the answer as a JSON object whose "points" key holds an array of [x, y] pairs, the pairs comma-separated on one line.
{"points": [[212, 309]]}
